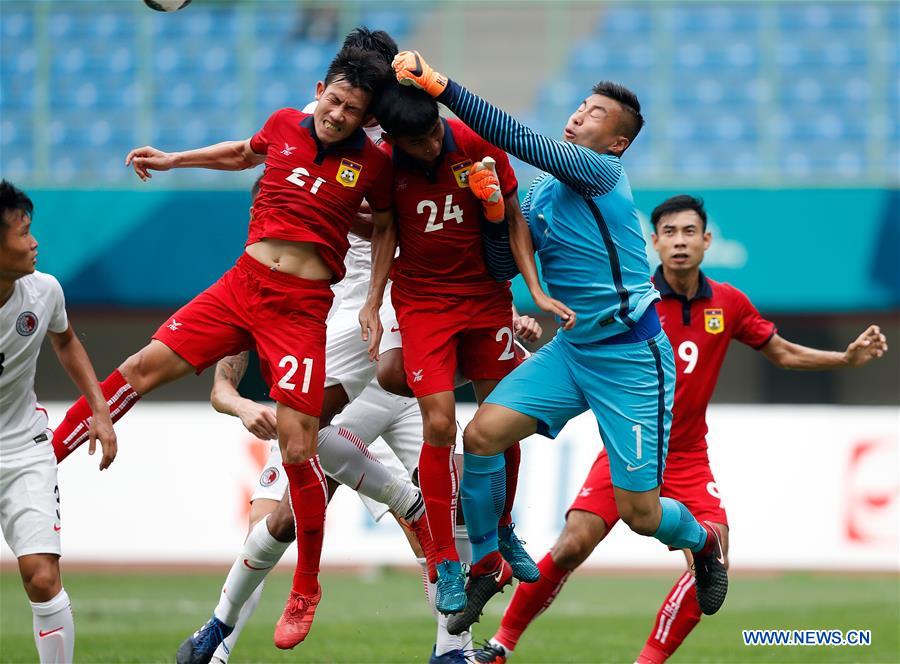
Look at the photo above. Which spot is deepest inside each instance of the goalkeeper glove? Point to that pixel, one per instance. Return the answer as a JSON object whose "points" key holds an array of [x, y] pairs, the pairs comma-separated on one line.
{"points": [[411, 69], [484, 183]]}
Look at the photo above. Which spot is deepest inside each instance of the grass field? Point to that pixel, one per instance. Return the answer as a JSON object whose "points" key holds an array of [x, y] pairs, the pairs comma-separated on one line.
{"points": [[142, 617]]}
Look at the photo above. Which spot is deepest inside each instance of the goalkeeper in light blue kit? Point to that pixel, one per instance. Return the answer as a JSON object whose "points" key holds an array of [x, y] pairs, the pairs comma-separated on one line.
{"points": [[615, 360]]}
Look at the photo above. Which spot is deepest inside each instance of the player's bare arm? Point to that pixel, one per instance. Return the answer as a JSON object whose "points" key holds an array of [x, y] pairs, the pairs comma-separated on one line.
{"points": [[869, 345], [384, 246], [362, 223], [523, 252], [225, 156], [74, 359], [225, 398]]}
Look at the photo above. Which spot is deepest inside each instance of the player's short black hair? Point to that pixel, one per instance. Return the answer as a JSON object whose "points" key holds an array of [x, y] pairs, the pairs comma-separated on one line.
{"points": [[678, 203], [634, 121], [377, 41], [12, 199], [361, 69], [404, 111]]}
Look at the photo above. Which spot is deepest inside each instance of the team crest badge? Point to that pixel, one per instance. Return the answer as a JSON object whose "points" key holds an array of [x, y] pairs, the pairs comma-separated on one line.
{"points": [[26, 323], [714, 320], [461, 172], [269, 476], [348, 173]]}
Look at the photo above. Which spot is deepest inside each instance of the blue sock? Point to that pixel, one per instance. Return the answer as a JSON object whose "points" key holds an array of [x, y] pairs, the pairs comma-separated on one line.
{"points": [[678, 528], [483, 494]]}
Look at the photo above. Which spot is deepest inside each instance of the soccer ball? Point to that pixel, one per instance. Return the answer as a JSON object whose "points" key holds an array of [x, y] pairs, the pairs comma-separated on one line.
{"points": [[167, 5]]}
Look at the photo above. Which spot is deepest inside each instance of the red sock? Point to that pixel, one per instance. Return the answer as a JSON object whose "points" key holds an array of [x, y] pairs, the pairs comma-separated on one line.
{"points": [[512, 457], [309, 497], [529, 601], [439, 483], [73, 430], [679, 614]]}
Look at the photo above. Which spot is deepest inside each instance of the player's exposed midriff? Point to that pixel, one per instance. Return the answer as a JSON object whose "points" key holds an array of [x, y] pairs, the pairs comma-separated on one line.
{"points": [[301, 259]]}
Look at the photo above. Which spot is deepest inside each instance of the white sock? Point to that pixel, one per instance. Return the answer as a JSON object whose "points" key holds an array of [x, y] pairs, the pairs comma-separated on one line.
{"points": [[223, 652], [346, 458], [54, 629], [260, 554], [430, 588]]}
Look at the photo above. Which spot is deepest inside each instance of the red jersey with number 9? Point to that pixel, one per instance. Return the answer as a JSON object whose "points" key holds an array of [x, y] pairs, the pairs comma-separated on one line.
{"points": [[700, 330], [439, 219], [310, 192]]}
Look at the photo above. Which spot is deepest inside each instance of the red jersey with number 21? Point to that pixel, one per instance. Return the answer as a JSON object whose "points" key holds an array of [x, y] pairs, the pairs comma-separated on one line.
{"points": [[310, 192], [439, 219], [700, 330]]}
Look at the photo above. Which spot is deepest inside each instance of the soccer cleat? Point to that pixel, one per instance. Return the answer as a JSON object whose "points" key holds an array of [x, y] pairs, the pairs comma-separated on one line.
{"points": [[201, 646], [411, 69], [491, 652], [710, 573], [423, 534], [513, 552], [294, 624], [479, 590], [451, 588], [450, 657]]}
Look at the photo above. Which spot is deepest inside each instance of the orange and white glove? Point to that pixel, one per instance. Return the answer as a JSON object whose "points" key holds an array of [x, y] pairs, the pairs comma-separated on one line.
{"points": [[411, 69], [484, 183]]}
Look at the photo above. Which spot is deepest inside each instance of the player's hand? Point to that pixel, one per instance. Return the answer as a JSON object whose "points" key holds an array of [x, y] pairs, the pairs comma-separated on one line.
{"points": [[102, 430], [148, 158], [370, 324], [527, 328], [484, 183], [867, 346], [555, 307], [258, 419], [411, 69]]}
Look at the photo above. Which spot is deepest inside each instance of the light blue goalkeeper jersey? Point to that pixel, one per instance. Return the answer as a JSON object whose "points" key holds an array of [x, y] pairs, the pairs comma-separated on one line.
{"points": [[583, 222]]}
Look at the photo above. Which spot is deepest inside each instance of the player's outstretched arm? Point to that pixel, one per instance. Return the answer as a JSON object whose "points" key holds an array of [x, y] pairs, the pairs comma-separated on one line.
{"points": [[384, 246], [869, 345], [74, 359], [227, 156], [586, 171], [523, 252], [225, 398]]}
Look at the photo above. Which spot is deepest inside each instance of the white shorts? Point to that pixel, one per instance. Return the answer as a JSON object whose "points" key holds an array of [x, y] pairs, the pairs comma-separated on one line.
{"points": [[29, 501], [347, 360]]}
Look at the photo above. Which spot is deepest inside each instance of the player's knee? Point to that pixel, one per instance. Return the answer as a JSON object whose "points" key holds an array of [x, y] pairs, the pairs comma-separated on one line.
{"points": [[582, 534], [298, 440], [476, 439], [281, 523], [639, 518], [42, 583], [392, 378], [440, 429]]}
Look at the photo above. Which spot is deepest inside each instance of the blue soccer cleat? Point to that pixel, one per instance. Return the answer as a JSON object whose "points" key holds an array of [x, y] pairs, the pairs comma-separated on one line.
{"points": [[451, 588], [513, 552], [449, 657], [201, 646]]}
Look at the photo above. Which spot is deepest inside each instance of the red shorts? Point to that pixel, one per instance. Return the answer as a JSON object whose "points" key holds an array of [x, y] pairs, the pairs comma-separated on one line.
{"points": [[687, 478], [442, 332], [281, 315]]}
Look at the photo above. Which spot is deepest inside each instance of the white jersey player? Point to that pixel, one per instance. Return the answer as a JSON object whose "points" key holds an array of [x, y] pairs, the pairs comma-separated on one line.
{"points": [[31, 307]]}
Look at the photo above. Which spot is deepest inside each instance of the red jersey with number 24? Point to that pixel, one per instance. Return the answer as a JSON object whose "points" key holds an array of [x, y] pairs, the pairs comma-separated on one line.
{"points": [[700, 330], [439, 219], [310, 192]]}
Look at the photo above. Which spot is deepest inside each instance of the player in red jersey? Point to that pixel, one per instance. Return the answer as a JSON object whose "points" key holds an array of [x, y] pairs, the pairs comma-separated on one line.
{"points": [[451, 312], [700, 317], [319, 167]]}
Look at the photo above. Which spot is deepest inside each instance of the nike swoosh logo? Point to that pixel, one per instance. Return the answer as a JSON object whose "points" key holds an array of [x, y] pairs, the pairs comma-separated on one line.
{"points": [[418, 70], [631, 468], [499, 576], [42, 633], [395, 329], [57, 528], [258, 569]]}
